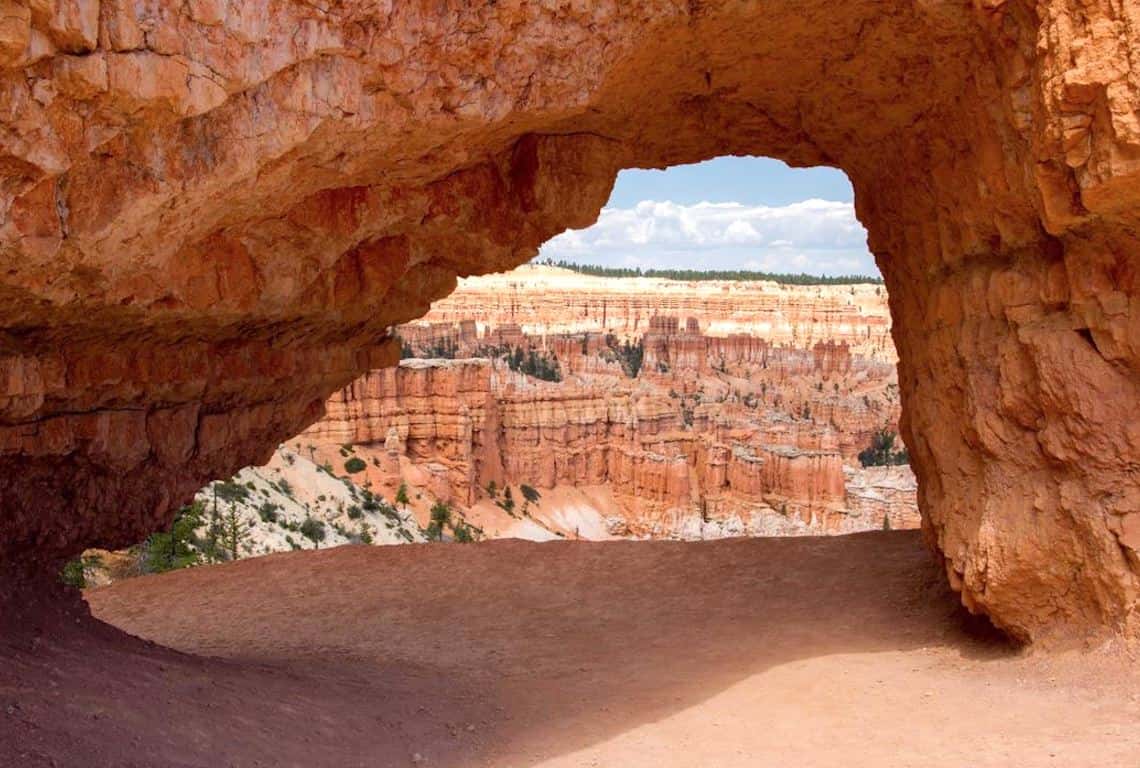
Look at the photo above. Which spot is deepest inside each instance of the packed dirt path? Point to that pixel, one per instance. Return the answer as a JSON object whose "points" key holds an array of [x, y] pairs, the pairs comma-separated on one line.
{"points": [[843, 651]]}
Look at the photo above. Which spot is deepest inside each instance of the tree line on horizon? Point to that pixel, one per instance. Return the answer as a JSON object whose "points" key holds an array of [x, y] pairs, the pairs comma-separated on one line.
{"points": [[696, 275]]}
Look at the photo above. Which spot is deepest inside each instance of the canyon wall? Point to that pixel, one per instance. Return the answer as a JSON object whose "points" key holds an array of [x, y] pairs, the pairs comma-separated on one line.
{"points": [[211, 212], [768, 312], [711, 435]]}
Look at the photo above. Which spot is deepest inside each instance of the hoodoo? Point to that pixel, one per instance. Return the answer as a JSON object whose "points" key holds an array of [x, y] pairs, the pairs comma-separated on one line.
{"points": [[211, 213], [744, 414]]}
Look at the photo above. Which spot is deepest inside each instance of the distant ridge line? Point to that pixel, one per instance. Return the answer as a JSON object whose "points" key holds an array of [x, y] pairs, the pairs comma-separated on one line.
{"points": [[697, 275]]}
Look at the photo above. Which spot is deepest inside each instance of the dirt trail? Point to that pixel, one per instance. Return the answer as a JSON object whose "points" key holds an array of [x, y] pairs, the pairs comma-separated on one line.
{"points": [[840, 651]]}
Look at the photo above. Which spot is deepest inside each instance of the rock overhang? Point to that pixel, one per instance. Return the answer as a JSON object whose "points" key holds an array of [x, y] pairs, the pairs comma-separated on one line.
{"points": [[212, 214]]}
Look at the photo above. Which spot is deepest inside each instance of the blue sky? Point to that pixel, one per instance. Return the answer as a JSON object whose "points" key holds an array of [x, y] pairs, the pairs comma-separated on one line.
{"points": [[727, 213]]}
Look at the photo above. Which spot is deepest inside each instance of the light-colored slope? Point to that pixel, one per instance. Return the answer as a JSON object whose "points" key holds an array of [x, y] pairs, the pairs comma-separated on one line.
{"points": [[297, 489], [562, 512]]}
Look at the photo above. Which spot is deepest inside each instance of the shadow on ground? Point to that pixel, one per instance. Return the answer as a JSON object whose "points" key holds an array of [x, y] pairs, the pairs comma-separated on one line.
{"points": [[500, 653]]}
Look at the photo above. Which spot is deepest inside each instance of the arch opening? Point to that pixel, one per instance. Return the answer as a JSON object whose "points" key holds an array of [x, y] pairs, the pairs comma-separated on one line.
{"points": [[738, 379]]}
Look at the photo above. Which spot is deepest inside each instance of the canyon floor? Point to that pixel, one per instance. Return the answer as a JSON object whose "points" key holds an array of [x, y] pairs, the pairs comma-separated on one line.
{"points": [[815, 651]]}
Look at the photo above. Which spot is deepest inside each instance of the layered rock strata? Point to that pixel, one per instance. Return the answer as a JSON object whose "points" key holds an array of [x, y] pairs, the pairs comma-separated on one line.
{"points": [[467, 423], [711, 435], [540, 300], [208, 210]]}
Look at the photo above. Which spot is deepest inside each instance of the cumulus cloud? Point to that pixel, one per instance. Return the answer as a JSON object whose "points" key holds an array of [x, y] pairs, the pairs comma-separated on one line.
{"points": [[818, 236]]}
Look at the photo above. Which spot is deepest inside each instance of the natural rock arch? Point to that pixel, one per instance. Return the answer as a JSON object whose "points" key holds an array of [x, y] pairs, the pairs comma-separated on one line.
{"points": [[212, 212]]}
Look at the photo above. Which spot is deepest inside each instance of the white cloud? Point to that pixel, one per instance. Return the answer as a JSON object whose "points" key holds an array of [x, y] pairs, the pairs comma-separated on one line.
{"points": [[817, 236]]}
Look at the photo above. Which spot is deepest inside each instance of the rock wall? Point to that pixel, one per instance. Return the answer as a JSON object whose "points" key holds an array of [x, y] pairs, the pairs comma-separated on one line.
{"points": [[209, 210]]}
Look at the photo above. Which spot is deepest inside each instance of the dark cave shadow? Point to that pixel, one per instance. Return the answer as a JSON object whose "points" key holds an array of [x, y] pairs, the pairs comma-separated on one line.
{"points": [[370, 655]]}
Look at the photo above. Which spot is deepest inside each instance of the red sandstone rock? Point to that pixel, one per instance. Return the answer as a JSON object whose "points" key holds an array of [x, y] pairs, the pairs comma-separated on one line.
{"points": [[257, 190]]}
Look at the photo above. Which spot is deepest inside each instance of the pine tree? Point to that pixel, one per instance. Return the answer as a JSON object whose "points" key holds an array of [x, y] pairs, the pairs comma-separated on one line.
{"points": [[463, 533], [440, 519], [234, 532]]}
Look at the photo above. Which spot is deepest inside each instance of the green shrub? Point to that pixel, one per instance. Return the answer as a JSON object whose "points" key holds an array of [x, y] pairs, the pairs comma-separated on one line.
{"points": [[529, 493], [354, 465], [630, 355], [534, 363], [442, 348], [390, 512], [73, 574], [440, 518], [179, 547], [882, 451], [313, 530], [230, 491], [463, 533], [355, 512], [268, 512]]}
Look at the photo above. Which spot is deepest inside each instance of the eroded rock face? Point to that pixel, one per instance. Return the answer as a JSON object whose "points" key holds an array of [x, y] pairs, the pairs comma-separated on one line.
{"points": [[683, 456], [543, 301], [209, 210], [745, 414]]}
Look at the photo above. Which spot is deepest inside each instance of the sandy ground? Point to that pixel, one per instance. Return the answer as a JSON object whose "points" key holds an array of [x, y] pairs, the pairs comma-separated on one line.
{"points": [[842, 651]]}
